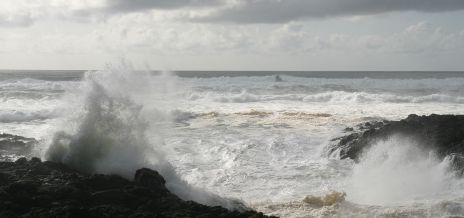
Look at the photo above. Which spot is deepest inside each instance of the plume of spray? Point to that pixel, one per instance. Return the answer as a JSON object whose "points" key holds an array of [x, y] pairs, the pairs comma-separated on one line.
{"points": [[399, 170], [110, 118]]}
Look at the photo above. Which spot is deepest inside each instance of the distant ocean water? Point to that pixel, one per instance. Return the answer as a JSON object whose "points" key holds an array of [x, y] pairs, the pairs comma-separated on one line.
{"points": [[257, 136]]}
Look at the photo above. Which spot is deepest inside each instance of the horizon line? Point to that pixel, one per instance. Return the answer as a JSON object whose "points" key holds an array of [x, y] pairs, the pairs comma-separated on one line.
{"points": [[157, 70]]}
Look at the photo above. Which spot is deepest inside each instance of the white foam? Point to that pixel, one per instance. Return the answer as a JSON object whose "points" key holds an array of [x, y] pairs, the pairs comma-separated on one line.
{"points": [[9, 116], [107, 133], [248, 137], [327, 97], [399, 171]]}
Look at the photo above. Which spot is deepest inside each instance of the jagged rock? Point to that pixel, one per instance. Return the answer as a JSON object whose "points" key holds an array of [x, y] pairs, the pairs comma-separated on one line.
{"points": [[112, 196], [47, 189], [105, 182], [151, 180], [443, 134]]}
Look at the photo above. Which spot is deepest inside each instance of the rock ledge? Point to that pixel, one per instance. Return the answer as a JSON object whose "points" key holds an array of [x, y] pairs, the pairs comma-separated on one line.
{"points": [[442, 134], [32, 188]]}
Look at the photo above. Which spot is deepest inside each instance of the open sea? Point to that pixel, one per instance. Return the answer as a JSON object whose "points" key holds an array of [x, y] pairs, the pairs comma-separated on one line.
{"points": [[258, 137]]}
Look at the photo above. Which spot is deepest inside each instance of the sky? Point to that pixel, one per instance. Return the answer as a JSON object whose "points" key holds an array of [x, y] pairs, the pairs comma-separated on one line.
{"points": [[233, 34]]}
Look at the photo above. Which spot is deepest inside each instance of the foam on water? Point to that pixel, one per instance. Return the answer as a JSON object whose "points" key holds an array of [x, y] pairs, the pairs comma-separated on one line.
{"points": [[249, 138], [108, 131], [25, 116], [330, 97], [399, 171]]}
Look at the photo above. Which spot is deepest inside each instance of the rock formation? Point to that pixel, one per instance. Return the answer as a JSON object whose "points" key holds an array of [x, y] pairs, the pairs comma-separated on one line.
{"points": [[32, 188], [442, 134]]}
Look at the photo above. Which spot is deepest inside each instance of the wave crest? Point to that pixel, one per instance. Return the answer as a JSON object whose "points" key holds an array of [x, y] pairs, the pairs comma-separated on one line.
{"points": [[111, 133], [326, 97], [11, 116]]}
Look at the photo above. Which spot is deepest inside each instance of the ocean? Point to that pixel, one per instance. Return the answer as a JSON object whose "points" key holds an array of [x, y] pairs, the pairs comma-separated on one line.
{"points": [[260, 138]]}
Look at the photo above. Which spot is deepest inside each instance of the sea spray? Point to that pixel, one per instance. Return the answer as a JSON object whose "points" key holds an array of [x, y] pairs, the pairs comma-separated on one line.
{"points": [[107, 131], [109, 139], [398, 170]]}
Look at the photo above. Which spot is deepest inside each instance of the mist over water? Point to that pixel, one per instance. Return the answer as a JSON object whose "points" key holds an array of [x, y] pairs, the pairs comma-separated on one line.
{"points": [[246, 137], [111, 127], [398, 171]]}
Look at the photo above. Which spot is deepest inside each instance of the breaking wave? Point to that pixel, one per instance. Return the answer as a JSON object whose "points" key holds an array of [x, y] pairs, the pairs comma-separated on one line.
{"points": [[399, 171], [328, 97], [247, 137], [34, 85], [11, 116], [109, 131], [182, 116]]}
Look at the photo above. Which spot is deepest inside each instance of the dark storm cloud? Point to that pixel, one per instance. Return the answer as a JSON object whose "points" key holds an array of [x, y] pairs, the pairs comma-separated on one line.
{"points": [[141, 5], [232, 11], [278, 11]]}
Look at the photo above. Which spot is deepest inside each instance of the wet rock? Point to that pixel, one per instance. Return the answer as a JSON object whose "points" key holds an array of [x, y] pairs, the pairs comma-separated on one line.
{"points": [[151, 180], [21, 160], [28, 186], [32, 188], [35, 160], [443, 134], [348, 129], [103, 182], [113, 197], [3, 178]]}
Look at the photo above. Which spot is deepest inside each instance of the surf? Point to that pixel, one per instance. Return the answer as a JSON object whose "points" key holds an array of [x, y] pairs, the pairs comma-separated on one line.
{"points": [[108, 132]]}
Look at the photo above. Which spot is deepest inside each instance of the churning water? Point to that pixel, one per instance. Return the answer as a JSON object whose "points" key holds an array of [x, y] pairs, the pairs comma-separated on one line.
{"points": [[245, 137]]}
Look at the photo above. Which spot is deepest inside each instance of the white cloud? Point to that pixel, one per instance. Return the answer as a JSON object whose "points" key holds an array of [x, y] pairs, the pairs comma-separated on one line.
{"points": [[152, 33], [420, 38], [146, 34], [425, 38], [162, 31]]}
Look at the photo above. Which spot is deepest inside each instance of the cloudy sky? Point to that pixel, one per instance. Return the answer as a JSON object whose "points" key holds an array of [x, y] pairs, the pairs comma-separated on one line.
{"points": [[233, 34]]}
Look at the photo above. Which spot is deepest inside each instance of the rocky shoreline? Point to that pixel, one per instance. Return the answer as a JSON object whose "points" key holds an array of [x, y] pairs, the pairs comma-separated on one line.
{"points": [[35, 188], [441, 134], [32, 188]]}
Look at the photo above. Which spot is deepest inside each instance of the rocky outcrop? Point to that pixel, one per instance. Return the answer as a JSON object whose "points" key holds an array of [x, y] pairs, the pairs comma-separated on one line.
{"points": [[443, 134], [32, 188]]}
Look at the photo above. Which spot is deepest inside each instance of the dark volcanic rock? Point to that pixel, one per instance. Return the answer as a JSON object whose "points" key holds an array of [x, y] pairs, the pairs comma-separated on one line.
{"points": [[443, 134], [151, 179], [46, 189]]}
